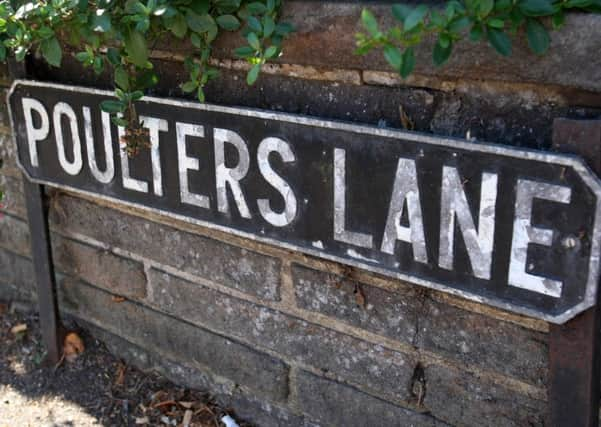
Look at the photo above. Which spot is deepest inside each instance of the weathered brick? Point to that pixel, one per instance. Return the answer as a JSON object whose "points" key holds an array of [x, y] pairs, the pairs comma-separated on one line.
{"points": [[246, 406], [229, 265], [335, 404], [100, 268], [5, 78], [354, 360], [14, 235], [265, 414], [386, 313], [177, 340], [471, 338], [4, 116], [149, 360], [461, 398], [8, 154], [14, 199], [475, 339], [17, 277]]}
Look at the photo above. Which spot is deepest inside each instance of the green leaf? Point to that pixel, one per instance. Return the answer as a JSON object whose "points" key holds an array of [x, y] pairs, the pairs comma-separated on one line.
{"points": [[189, 86], [98, 65], [271, 52], [284, 29], [136, 48], [244, 52], [200, 7], [113, 56], [82, 56], [460, 24], [200, 23], [500, 41], [195, 39], [538, 37], [502, 5], [537, 7], [121, 78], [577, 4], [401, 11], [102, 22], [485, 7], [254, 24], [2, 58], [268, 26], [118, 121], [177, 25], [408, 62], [253, 73], [393, 56], [558, 20], [111, 106], [253, 41], [415, 18], [496, 23], [256, 8], [200, 94], [51, 51], [228, 22], [441, 54], [146, 79], [444, 40], [20, 53], [369, 22]]}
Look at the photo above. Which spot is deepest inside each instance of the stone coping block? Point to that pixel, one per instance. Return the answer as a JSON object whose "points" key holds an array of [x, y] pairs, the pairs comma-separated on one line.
{"points": [[325, 37]]}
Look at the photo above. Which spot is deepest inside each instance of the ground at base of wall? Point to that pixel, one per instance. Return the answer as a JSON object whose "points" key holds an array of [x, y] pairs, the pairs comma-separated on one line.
{"points": [[96, 389]]}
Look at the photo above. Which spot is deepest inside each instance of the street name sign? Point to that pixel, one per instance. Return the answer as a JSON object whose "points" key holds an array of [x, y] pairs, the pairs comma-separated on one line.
{"points": [[508, 227]]}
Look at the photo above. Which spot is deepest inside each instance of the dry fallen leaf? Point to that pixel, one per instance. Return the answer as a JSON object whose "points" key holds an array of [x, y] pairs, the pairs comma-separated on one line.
{"points": [[18, 329], [72, 346], [117, 299], [405, 119], [143, 420], [359, 297], [186, 405], [120, 377], [187, 418]]}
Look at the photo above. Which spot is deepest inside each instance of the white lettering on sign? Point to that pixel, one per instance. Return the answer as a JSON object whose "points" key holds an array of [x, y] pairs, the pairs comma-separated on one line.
{"points": [[109, 172], [525, 233], [35, 134], [471, 219], [340, 232], [230, 177], [405, 189], [453, 204], [281, 147], [71, 167], [155, 126], [186, 163]]}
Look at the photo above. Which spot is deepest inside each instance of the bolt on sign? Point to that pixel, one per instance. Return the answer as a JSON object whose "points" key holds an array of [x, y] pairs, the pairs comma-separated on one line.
{"points": [[512, 228]]}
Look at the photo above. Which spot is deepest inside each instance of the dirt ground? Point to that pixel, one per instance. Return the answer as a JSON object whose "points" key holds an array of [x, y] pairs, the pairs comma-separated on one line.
{"points": [[95, 389]]}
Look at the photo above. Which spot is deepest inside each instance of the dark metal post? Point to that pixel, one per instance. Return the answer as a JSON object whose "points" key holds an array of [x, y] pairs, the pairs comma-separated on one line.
{"points": [[41, 252], [37, 215], [573, 390]]}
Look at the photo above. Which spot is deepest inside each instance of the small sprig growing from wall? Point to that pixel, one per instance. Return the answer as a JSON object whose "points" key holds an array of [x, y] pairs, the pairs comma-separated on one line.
{"points": [[492, 20], [120, 34]]}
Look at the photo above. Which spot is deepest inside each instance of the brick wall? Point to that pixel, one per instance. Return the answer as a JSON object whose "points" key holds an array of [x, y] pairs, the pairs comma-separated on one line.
{"points": [[283, 338]]}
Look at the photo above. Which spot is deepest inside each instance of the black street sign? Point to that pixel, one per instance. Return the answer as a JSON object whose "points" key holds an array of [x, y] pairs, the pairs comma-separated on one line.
{"points": [[512, 228]]}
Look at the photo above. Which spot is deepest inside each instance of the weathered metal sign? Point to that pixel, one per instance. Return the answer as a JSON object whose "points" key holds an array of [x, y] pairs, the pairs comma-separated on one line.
{"points": [[511, 228]]}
